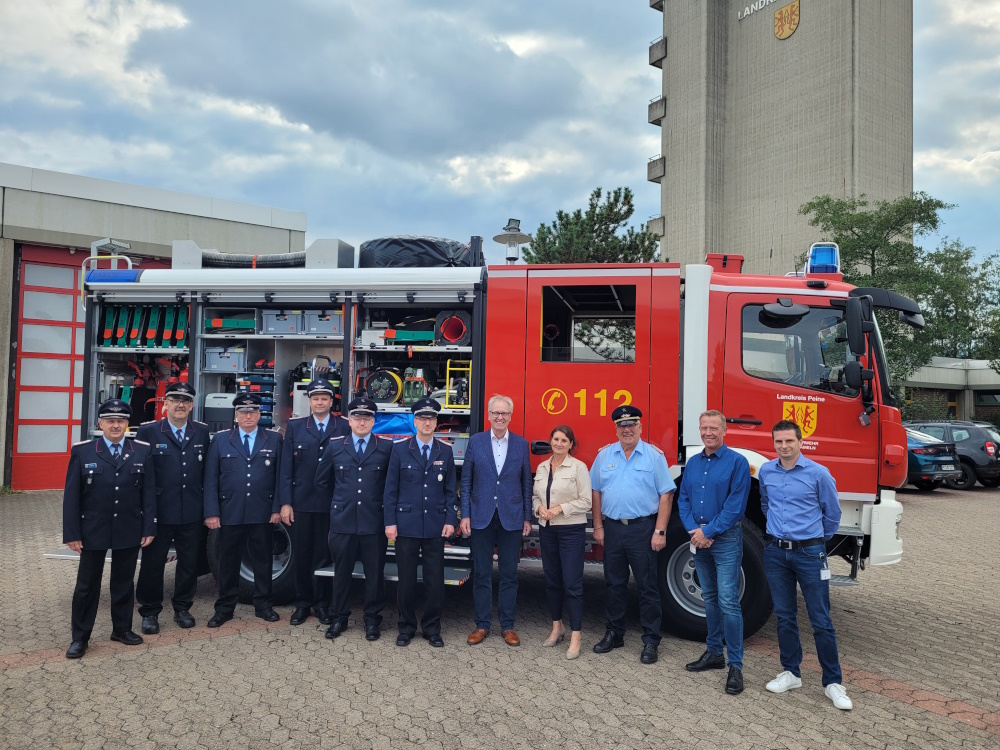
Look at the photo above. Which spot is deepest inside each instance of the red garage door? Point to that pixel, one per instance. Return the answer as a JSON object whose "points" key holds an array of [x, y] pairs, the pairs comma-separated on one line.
{"points": [[48, 368]]}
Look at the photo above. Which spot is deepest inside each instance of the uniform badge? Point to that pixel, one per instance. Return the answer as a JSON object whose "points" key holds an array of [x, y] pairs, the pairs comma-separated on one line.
{"points": [[90, 466], [267, 462], [161, 445], [440, 477], [125, 456], [200, 457], [439, 463], [90, 480]]}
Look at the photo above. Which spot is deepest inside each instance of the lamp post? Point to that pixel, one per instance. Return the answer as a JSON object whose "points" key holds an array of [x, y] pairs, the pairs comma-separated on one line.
{"points": [[512, 237]]}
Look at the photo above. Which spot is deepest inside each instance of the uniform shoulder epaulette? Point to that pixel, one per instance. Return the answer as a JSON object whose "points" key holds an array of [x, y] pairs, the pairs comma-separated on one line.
{"points": [[200, 424], [84, 442], [387, 437], [604, 446], [217, 432], [400, 440], [656, 448], [152, 421], [140, 442]]}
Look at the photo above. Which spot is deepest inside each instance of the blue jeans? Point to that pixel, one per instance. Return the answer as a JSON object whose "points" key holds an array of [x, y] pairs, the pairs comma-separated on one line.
{"points": [[719, 574], [508, 546], [785, 568]]}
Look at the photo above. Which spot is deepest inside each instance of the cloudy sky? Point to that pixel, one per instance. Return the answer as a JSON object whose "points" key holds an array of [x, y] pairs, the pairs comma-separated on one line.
{"points": [[435, 117]]}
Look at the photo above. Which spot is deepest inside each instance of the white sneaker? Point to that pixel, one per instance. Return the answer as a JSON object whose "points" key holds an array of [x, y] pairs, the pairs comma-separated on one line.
{"points": [[784, 682], [836, 693]]}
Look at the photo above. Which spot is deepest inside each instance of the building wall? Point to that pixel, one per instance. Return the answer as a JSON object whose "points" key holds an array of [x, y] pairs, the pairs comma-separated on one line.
{"points": [[757, 126]]}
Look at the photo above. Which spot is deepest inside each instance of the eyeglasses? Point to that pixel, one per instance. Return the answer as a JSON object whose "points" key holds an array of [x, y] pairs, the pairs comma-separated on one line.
{"points": [[500, 414], [363, 418]]}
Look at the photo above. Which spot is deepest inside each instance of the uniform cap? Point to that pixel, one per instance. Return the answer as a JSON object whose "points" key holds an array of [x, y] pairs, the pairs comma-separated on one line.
{"points": [[181, 389], [426, 407], [247, 402], [362, 407], [318, 386], [114, 408], [626, 415]]}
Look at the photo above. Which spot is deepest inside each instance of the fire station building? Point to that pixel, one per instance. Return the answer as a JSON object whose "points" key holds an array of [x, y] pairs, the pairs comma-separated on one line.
{"points": [[49, 221], [768, 104]]}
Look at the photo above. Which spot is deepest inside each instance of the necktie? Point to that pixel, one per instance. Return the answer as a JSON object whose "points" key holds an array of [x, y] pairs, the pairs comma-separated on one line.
{"points": [[180, 436], [116, 450], [427, 454], [320, 426], [246, 443], [361, 449]]}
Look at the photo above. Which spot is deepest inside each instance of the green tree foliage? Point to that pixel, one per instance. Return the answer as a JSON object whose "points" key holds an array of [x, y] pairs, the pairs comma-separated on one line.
{"points": [[594, 235], [958, 296]]}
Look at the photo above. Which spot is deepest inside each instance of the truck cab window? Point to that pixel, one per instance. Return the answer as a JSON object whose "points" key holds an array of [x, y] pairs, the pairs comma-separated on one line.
{"points": [[588, 323], [808, 351]]}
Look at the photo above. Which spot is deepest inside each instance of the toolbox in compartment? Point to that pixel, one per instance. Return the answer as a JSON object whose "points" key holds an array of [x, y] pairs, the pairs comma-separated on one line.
{"points": [[459, 442], [281, 322], [321, 322], [225, 358]]}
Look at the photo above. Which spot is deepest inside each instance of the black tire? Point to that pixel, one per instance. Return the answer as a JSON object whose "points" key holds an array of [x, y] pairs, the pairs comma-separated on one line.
{"points": [[965, 482], [994, 482], [927, 486], [680, 592], [282, 578]]}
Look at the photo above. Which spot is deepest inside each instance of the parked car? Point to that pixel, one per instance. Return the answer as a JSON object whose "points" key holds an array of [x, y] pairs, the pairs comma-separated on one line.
{"points": [[932, 461], [977, 444]]}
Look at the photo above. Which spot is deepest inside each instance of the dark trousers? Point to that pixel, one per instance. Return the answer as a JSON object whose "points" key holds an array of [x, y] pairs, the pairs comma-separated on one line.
{"points": [[508, 547], [256, 538], [87, 593], [345, 549], [408, 551], [186, 538], [631, 547], [309, 535], [562, 563]]}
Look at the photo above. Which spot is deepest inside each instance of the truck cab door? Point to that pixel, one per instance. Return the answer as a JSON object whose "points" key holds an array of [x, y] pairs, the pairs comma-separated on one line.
{"points": [[787, 362], [587, 352]]}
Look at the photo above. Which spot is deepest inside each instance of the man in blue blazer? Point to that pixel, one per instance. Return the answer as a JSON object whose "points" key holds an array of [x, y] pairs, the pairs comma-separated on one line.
{"points": [[496, 511]]}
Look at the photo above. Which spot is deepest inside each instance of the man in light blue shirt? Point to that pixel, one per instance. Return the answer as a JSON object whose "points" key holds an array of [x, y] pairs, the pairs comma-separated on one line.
{"points": [[799, 499], [633, 495], [711, 504]]}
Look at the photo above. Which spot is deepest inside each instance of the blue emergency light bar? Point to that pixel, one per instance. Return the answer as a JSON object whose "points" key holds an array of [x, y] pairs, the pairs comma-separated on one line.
{"points": [[823, 257]]}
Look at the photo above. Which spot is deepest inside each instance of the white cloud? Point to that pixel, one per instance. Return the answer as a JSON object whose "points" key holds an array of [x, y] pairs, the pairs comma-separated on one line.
{"points": [[68, 151]]}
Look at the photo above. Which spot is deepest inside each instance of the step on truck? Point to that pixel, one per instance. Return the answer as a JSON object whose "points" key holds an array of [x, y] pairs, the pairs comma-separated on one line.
{"points": [[568, 343]]}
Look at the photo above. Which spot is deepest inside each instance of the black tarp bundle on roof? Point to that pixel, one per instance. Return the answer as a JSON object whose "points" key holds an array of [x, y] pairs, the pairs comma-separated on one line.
{"points": [[407, 251]]}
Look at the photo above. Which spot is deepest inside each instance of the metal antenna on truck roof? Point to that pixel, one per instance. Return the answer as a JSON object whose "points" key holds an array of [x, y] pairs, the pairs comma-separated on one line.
{"points": [[512, 237]]}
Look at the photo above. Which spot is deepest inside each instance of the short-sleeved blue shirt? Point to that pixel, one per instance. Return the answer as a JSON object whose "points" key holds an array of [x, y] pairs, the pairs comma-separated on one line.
{"points": [[630, 489]]}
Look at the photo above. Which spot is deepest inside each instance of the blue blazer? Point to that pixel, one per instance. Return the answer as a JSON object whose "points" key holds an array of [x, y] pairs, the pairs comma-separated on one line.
{"points": [[483, 492], [420, 499], [242, 489]]}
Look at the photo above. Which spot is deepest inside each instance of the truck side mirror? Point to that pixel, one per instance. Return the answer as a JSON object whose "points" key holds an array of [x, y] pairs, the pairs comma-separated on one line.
{"points": [[855, 327]]}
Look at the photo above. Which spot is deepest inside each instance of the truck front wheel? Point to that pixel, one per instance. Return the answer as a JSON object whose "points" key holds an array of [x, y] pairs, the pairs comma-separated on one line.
{"points": [[680, 590], [282, 577]]}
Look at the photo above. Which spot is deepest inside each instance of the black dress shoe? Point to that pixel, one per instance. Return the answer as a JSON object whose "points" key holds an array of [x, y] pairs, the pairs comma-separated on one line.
{"points": [[403, 639], [649, 655], [707, 660], [372, 632], [127, 637], [183, 619], [150, 625], [76, 649], [734, 684], [299, 616], [323, 615], [435, 640], [219, 619], [608, 642], [268, 615], [336, 629]]}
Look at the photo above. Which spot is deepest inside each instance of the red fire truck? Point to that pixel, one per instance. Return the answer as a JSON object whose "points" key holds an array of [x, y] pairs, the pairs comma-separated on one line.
{"points": [[568, 343]]}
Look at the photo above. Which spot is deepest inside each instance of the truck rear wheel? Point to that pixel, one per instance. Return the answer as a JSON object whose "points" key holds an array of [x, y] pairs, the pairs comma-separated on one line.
{"points": [[282, 577], [680, 590]]}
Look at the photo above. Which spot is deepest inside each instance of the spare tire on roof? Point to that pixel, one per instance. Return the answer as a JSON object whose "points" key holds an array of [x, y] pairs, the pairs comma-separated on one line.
{"points": [[408, 251]]}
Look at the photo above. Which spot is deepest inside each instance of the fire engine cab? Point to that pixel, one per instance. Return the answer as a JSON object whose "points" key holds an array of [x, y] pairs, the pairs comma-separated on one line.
{"points": [[568, 343]]}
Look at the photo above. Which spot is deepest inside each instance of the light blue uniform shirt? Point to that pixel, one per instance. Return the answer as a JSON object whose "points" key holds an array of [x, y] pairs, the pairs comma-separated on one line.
{"points": [[630, 489], [800, 503], [251, 435]]}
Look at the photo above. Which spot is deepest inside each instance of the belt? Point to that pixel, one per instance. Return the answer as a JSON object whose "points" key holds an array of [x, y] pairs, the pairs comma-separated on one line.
{"points": [[794, 543], [627, 521]]}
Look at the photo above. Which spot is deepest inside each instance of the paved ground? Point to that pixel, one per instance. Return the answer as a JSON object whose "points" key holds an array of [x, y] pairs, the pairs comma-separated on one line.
{"points": [[918, 643]]}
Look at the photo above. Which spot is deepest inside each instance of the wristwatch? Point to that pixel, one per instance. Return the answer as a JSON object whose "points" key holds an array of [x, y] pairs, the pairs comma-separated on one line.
{"points": [[661, 532]]}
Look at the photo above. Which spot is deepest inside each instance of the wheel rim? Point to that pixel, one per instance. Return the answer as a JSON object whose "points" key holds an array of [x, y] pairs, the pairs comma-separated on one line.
{"points": [[281, 554], [682, 580]]}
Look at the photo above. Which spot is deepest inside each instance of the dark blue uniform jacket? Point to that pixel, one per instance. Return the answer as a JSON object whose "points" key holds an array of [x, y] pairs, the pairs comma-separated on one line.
{"points": [[420, 499], [242, 489], [109, 507], [355, 486], [301, 454], [180, 470]]}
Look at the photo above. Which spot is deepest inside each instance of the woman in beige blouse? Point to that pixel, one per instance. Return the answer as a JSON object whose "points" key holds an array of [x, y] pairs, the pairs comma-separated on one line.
{"points": [[561, 500]]}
